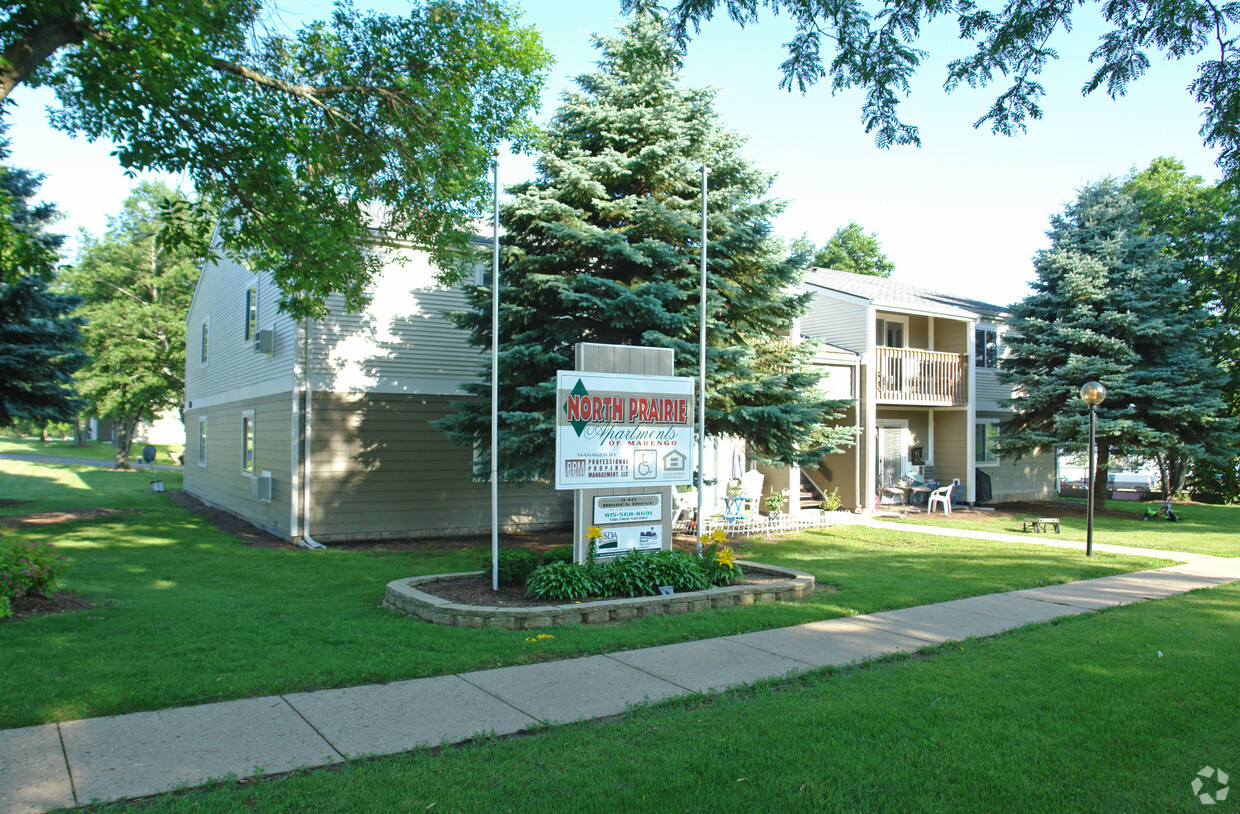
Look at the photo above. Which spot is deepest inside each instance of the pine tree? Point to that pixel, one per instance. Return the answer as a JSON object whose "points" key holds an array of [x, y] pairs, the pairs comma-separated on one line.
{"points": [[604, 247], [1109, 305], [38, 339]]}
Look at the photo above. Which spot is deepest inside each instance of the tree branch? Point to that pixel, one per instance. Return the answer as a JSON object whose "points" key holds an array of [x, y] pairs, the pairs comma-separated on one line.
{"points": [[22, 57]]}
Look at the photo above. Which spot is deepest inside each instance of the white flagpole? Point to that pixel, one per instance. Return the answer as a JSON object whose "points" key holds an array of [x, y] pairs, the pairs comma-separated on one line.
{"points": [[495, 377], [701, 484]]}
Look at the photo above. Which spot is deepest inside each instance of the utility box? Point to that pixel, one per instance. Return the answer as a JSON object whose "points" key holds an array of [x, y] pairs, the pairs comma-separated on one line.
{"points": [[265, 341], [260, 487]]}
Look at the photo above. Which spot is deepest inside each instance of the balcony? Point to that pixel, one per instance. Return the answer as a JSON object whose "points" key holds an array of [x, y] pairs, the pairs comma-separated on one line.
{"points": [[922, 377]]}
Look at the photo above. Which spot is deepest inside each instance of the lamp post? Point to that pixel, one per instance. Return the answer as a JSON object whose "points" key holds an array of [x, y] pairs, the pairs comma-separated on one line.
{"points": [[1093, 394]]}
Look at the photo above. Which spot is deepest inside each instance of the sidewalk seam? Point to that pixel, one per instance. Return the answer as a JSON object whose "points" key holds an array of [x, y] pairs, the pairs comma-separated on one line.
{"points": [[68, 769], [503, 701], [315, 728]]}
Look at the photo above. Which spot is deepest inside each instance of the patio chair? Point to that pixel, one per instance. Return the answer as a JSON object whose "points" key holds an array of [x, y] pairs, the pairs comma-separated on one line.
{"points": [[751, 490], [942, 496]]}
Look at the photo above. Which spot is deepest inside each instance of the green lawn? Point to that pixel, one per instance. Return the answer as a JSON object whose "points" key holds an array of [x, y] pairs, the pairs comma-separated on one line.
{"points": [[188, 614], [94, 451], [1202, 529], [1109, 712]]}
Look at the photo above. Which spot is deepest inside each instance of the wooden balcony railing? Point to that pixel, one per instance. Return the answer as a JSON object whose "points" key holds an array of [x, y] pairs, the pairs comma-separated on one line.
{"points": [[908, 376]]}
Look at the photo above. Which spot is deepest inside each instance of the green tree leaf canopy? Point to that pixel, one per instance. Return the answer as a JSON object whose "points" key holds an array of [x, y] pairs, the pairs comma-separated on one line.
{"points": [[873, 46], [309, 144], [136, 295], [604, 247]]}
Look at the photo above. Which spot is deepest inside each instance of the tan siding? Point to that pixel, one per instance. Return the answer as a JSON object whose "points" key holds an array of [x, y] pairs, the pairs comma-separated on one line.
{"points": [[838, 322], [951, 446], [951, 336], [381, 470], [402, 341], [222, 482], [990, 391], [919, 332], [838, 470], [232, 362]]}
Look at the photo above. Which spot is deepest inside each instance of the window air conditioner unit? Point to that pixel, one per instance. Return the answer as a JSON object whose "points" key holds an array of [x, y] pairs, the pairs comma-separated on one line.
{"points": [[260, 487], [265, 341]]}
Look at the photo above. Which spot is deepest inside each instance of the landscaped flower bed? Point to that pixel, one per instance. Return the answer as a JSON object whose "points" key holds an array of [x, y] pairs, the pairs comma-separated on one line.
{"points": [[778, 584]]}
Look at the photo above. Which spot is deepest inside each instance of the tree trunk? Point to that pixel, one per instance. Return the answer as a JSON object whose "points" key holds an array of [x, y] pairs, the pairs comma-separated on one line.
{"points": [[1101, 467], [124, 437], [79, 435], [34, 47]]}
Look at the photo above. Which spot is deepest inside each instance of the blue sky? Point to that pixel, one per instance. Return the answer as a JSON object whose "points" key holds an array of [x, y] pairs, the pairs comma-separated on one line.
{"points": [[964, 213]]}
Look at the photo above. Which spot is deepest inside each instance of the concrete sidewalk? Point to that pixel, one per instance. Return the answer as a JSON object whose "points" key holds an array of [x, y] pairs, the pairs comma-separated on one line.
{"points": [[102, 759], [48, 459]]}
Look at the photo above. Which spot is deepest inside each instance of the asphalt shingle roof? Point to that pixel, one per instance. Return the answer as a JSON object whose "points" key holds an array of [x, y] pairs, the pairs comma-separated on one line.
{"points": [[884, 292]]}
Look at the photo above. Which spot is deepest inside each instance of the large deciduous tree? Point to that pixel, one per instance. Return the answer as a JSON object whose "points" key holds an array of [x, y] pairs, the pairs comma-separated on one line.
{"points": [[38, 338], [604, 247], [136, 295], [1109, 305], [305, 142], [852, 249], [874, 47]]}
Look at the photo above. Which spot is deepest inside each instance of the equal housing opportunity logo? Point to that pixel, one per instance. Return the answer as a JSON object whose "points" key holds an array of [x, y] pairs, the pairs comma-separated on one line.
{"points": [[1202, 789]]}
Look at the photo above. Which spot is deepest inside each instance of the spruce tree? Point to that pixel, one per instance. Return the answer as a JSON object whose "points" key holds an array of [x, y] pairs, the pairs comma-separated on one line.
{"points": [[604, 247], [1109, 305]]}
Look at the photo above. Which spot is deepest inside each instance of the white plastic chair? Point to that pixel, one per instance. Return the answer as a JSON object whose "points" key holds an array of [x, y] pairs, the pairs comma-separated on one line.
{"points": [[751, 490], [943, 496]]}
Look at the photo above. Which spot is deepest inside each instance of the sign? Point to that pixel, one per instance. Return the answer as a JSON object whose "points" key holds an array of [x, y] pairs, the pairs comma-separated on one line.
{"points": [[624, 539], [627, 509], [618, 429]]}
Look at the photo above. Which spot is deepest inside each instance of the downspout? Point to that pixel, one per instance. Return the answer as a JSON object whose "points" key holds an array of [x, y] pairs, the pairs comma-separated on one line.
{"points": [[857, 438], [306, 540]]}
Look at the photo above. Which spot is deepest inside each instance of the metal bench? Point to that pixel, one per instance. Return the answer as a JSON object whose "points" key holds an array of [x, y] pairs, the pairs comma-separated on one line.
{"points": [[1040, 523]]}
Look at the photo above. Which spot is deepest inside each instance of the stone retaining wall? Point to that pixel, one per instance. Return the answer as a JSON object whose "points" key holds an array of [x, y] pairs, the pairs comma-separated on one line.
{"points": [[404, 597]]}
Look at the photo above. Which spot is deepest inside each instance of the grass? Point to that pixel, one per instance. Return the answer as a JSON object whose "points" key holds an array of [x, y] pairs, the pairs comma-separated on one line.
{"points": [[186, 614], [1202, 529], [94, 451], [1109, 712]]}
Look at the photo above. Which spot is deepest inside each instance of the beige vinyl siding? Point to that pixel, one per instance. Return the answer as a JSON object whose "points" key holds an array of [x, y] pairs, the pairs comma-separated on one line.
{"points": [[1030, 478], [990, 391], [221, 482], [951, 446], [381, 470], [836, 321], [402, 341], [838, 470], [952, 336], [233, 364]]}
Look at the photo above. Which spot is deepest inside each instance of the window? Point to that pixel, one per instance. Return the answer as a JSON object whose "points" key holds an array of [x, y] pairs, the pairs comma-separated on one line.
{"points": [[204, 340], [202, 441], [986, 347], [987, 437], [251, 312], [889, 333], [247, 441]]}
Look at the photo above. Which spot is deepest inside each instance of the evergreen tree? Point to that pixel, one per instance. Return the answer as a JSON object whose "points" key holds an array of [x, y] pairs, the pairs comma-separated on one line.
{"points": [[1202, 225], [604, 247], [1109, 305], [38, 339], [851, 249], [136, 297]]}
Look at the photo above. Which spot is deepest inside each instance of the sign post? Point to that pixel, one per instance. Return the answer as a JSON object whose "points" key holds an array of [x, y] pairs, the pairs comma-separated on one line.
{"points": [[623, 440]]}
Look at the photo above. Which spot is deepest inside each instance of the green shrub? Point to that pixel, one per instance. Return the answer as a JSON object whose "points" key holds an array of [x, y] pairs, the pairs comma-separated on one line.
{"points": [[643, 574], [27, 568], [560, 580], [561, 553], [516, 565], [720, 566], [831, 501]]}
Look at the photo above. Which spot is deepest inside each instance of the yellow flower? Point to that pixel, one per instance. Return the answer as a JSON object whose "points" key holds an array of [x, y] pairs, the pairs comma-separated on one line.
{"points": [[539, 636], [718, 536], [725, 558], [594, 533]]}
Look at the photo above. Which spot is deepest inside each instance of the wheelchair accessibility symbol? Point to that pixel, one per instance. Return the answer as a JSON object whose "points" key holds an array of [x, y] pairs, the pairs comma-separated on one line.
{"points": [[645, 464]]}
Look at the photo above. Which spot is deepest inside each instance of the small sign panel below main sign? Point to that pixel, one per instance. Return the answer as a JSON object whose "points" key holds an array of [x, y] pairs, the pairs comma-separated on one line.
{"points": [[615, 429], [612, 509]]}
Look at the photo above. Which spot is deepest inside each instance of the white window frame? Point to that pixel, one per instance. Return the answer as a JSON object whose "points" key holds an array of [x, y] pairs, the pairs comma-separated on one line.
{"points": [[202, 441], [979, 360], [880, 330], [980, 449], [203, 337], [249, 443], [251, 312]]}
